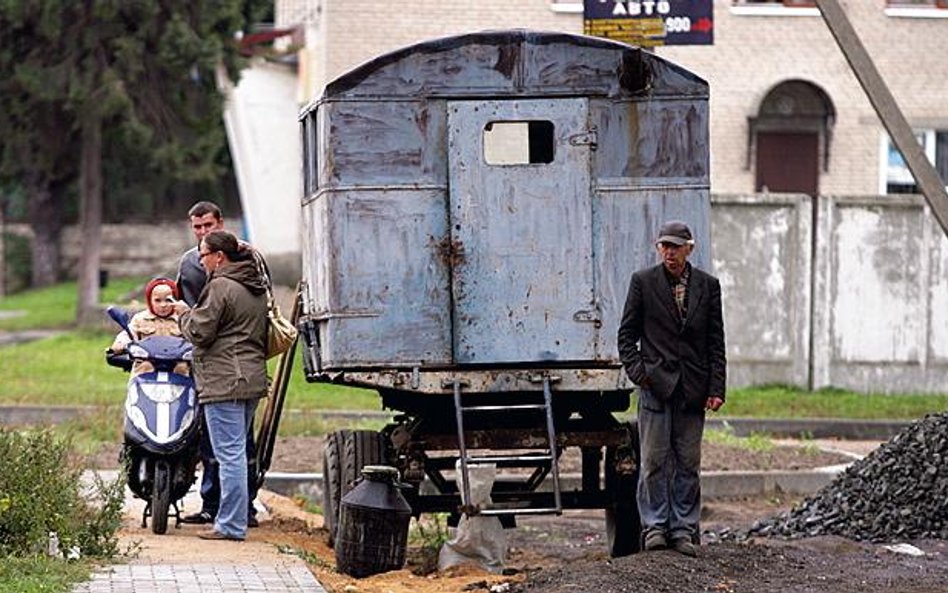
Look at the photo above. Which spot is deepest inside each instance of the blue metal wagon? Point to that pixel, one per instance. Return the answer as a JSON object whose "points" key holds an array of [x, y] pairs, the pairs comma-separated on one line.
{"points": [[473, 209]]}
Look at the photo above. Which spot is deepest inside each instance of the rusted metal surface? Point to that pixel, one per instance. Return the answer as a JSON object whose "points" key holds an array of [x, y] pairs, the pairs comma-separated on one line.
{"points": [[526, 231], [525, 439], [425, 260], [487, 379]]}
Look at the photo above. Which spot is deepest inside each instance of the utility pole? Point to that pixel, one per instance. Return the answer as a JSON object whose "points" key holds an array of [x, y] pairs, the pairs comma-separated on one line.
{"points": [[931, 185]]}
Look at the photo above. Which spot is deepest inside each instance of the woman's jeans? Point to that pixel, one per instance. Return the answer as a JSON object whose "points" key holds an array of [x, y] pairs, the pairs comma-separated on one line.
{"points": [[227, 424], [669, 489]]}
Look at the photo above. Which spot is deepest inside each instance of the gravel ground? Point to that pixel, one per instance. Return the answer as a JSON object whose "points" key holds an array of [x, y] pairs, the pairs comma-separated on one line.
{"points": [[567, 554]]}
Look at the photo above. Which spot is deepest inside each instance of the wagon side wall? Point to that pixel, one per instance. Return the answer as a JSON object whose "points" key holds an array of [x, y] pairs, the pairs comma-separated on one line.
{"points": [[375, 223], [651, 165]]}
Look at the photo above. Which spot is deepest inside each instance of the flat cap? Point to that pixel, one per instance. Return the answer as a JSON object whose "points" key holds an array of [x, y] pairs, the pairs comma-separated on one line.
{"points": [[676, 232]]}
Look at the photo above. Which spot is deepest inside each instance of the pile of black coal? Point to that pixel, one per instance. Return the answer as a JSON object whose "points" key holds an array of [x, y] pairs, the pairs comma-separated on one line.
{"points": [[898, 492]]}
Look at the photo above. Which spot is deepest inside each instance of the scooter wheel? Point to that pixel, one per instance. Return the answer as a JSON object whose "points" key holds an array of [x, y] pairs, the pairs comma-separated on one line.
{"points": [[160, 498]]}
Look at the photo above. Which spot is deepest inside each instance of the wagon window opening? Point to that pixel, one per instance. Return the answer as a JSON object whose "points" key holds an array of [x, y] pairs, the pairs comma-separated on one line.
{"points": [[518, 142]]}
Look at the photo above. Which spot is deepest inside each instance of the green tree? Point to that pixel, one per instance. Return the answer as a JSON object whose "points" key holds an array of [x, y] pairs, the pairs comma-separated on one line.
{"points": [[83, 80]]}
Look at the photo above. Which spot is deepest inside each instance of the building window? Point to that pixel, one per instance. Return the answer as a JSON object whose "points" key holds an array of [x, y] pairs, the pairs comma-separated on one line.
{"points": [[896, 177], [916, 3], [309, 142], [774, 7], [917, 8], [567, 6]]}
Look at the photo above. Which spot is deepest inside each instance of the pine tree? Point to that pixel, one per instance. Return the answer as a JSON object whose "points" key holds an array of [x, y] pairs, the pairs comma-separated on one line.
{"points": [[84, 79]]}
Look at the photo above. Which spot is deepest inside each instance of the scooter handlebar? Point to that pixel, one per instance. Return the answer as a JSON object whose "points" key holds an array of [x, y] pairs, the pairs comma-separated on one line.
{"points": [[118, 359]]}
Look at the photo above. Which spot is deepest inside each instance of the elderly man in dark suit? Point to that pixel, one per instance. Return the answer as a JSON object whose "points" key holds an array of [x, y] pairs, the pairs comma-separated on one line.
{"points": [[671, 342]]}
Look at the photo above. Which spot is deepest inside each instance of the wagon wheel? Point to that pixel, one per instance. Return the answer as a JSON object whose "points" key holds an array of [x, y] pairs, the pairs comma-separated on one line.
{"points": [[332, 481], [345, 454], [623, 524]]}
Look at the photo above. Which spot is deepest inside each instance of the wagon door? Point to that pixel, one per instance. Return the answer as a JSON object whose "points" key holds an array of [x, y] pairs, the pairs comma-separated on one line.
{"points": [[522, 271]]}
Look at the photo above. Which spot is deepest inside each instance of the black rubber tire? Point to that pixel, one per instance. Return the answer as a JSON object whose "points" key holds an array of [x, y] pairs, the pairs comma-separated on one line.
{"points": [[623, 529], [332, 481], [160, 498], [360, 448], [623, 522]]}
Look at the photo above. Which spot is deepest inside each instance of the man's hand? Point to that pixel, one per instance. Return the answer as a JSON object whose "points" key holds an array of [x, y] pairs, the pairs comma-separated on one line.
{"points": [[180, 307], [713, 403]]}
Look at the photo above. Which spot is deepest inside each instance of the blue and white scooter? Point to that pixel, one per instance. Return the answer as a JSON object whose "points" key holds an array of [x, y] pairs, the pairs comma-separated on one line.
{"points": [[161, 423]]}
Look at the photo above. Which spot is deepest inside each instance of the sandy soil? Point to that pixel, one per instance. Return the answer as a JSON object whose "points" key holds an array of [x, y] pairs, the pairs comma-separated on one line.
{"points": [[568, 553]]}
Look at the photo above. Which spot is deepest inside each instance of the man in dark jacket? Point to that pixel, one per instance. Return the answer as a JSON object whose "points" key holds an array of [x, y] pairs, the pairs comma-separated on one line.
{"points": [[228, 328], [671, 342], [205, 217]]}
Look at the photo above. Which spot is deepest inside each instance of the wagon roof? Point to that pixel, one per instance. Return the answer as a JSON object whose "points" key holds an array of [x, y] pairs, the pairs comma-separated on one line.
{"points": [[517, 63]]}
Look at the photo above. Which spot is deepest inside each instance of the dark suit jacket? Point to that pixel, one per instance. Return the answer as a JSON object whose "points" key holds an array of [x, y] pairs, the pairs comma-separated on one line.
{"points": [[659, 350]]}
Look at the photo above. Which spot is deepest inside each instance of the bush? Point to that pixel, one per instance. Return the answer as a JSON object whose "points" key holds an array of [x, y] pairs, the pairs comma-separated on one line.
{"points": [[42, 491], [18, 266]]}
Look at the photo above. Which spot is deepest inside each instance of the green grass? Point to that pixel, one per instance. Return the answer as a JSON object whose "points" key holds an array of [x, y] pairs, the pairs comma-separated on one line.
{"points": [[788, 402], [70, 369], [754, 442], [55, 306], [40, 574]]}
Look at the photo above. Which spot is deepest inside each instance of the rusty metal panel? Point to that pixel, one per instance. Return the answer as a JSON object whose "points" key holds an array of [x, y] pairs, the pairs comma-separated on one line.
{"points": [[380, 293], [517, 62], [659, 141], [370, 143], [522, 281], [626, 223]]}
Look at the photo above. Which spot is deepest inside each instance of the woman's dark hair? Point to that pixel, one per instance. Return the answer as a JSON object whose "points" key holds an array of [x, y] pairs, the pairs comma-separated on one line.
{"points": [[227, 244]]}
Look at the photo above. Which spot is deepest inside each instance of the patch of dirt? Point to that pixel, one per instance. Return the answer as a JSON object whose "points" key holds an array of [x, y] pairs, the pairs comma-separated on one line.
{"points": [[304, 455], [825, 564], [567, 554]]}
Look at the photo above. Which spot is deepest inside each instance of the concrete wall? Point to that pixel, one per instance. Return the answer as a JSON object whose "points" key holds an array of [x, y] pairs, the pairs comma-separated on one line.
{"points": [[860, 301], [762, 255], [127, 249], [263, 132], [148, 250], [880, 295], [264, 138]]}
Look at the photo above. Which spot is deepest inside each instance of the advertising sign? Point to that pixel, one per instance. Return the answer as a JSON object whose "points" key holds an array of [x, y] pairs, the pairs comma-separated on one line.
{"points": [[648, 23]]}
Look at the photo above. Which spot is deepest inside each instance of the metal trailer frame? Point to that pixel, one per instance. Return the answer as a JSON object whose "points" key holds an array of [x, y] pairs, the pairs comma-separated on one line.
{"points": [[481, 299]]}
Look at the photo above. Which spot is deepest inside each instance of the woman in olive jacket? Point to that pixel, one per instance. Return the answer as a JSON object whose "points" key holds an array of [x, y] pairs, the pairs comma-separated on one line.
{"points": [[228, 327]]}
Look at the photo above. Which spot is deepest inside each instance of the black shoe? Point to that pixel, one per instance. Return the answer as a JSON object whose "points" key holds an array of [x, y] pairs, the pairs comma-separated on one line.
{"points": [[655, 540], [252, 521], [683, 545], [202, 518]]}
